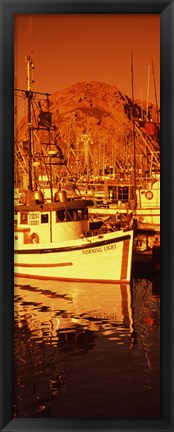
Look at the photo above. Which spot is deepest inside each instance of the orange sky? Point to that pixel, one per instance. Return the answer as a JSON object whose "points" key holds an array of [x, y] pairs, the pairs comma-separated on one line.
{"points": [[71, 48]]}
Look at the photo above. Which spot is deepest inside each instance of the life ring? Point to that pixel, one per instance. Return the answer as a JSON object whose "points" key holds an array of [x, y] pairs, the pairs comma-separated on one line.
{"points": [[149, 195], [34, 238]]}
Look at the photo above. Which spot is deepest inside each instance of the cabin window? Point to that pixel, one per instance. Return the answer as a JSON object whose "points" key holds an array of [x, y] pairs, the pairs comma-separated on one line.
{"points": [[120, 195], [80, 214], [112, 193], [69, 215], [132, 193], [44, 218], [15, 218], [60, 216], [123, 193], [24, 218], [85, 214], [75, 215]]}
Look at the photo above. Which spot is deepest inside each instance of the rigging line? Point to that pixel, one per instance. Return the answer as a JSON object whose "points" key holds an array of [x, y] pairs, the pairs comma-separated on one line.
{"points": [[152, 153], [157, 110], [17, 95], [34, 114], [110, 227], [44, 154], [21, 161], [148, 85]]}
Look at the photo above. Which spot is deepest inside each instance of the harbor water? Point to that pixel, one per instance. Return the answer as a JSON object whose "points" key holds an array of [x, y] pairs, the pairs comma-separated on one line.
{"points": [[89, 351]]}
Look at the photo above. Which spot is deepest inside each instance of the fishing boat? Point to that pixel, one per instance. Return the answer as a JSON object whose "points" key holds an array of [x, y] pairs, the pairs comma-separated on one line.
{"points": [[52, 237], [53, 241], [118, 202]]}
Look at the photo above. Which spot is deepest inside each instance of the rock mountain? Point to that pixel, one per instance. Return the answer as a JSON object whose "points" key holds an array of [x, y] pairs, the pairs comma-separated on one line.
{"points": [[92, 125]]}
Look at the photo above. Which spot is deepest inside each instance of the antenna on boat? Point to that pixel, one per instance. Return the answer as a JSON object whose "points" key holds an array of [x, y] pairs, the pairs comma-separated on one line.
{"points": [[133, 127], [157, 112], [31, 50]]}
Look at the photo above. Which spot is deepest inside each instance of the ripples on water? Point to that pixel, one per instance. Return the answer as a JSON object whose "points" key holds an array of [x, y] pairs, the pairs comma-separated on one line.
{"points": [[86, 350]]}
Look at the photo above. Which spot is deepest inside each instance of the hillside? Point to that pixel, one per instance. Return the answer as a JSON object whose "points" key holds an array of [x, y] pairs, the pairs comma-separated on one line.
{"points": [[92, 125]]}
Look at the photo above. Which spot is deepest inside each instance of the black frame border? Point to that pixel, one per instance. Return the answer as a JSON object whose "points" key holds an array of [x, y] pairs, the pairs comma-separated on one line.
{"points": [[8, 9]]}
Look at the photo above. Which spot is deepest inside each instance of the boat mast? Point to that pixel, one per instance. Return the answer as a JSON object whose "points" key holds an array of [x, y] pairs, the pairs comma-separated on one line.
{"points": [[133, 129], [148, 84], [15, 116], [29, 95]]}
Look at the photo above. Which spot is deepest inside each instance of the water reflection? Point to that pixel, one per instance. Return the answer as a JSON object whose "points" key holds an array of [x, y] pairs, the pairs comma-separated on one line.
{"points": [[146, 325], [82, 350]]}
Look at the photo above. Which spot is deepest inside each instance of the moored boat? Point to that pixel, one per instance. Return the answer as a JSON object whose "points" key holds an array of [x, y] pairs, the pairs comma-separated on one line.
{"points": [[52, 237], [53, 241]]}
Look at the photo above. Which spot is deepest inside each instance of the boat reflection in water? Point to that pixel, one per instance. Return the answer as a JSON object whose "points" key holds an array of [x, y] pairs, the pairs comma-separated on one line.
{"points": [[86, 350]]}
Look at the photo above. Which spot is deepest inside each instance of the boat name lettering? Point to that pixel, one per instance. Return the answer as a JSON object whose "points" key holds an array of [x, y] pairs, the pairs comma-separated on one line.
{"points": [[33, 215], [33, 219], [109, 247], [98, 249]]}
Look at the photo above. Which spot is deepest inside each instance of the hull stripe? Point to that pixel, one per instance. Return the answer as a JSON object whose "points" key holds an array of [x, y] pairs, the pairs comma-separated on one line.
{"points": [[43, 265], [71, 279], [90, 245], [125, 256]]}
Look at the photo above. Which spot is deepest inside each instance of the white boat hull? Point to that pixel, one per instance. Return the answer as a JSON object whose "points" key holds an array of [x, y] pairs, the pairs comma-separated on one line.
{"points": [[106, 258]]}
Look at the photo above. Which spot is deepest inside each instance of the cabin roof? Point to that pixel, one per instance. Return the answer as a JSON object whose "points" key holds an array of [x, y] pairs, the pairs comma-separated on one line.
{"points": [[47, 207]]}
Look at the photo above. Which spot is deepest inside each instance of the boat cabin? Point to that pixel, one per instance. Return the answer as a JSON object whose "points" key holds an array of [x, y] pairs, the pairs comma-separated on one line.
{"points": [[119, 193], [37, 221]]}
